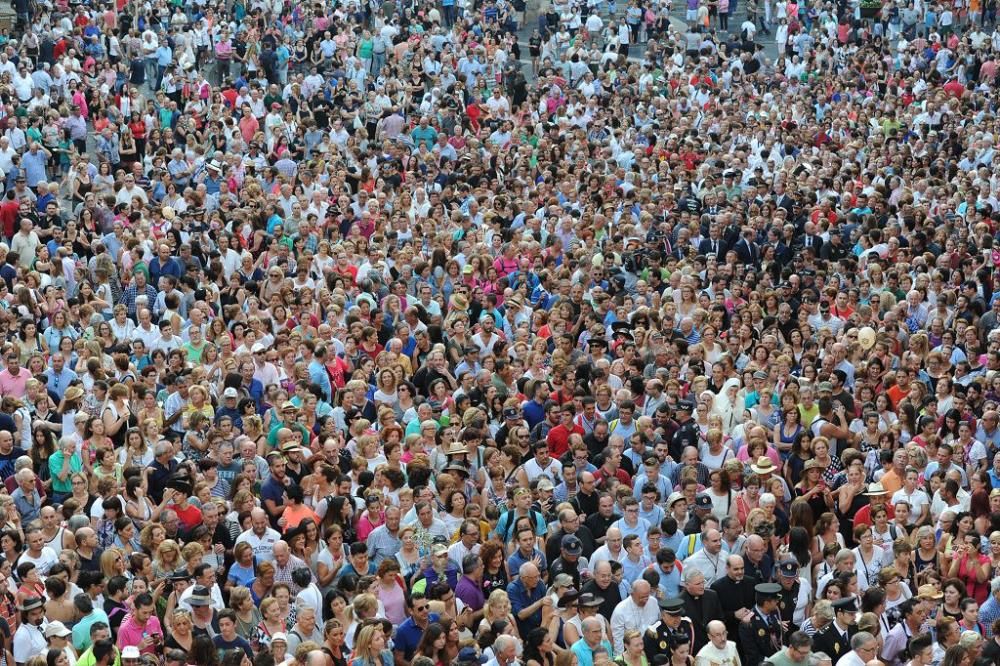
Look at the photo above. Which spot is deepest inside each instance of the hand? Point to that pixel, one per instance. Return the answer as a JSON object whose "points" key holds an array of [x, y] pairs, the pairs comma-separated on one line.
{"points": [[537, 561], [547, 600], [219, 549], [282, 522], [146, 642]]}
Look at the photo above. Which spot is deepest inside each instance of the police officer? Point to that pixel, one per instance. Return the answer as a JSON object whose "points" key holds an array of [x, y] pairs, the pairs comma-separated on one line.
{"points": [[762, 636], [835, 638], [793, 597], [687, 431], [673, 628]]}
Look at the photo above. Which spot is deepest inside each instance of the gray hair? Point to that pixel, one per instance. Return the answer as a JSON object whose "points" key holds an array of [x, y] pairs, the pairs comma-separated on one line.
{"points": [[860, 638], [969, 639], [824, 609], [843, 555], [690, 574], [23, 462], [767, 498], [502, 642], [819, 659], [161, 448]]}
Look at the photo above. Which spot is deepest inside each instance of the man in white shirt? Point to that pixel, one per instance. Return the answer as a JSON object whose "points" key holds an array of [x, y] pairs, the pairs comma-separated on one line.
{"points": [[260, 536], [709, 560], [638, 611], [718, 651]]}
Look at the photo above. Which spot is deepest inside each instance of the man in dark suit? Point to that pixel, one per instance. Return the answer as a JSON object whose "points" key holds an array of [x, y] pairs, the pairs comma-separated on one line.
{"points": [[736, 594], [746, 248], [714, 244], [810, 240], [701, 605], [762, 635], [835, 638]]}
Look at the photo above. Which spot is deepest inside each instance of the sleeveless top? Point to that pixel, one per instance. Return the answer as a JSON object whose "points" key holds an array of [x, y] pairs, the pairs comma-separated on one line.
{"points": [[56, 542]]}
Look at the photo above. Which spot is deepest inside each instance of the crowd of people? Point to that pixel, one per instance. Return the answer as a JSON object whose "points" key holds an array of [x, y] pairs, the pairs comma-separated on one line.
{"points": [[473, 332]]}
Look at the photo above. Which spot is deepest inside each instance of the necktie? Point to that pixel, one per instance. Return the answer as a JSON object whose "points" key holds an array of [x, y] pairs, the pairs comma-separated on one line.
{"points": [[715, 247]]}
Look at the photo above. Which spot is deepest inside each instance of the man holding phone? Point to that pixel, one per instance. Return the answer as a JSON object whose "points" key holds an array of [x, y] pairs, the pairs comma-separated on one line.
{"points": [[142, 629]]}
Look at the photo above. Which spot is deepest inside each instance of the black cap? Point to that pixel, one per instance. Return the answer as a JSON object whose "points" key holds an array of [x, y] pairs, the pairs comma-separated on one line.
{"points": [[845, 605], [572, 545], [686, 405], [767, 591], [672, 605], [702, 501], [789, 569]]}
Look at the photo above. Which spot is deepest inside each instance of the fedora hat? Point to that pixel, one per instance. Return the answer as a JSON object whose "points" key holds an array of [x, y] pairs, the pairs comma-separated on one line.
{"points": [[764, 465], [456, 449], [876, 489], [458, 302]]}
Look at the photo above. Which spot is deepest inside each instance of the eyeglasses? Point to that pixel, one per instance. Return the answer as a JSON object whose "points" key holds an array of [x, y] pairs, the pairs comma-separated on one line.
{"points": [[421, 608]]}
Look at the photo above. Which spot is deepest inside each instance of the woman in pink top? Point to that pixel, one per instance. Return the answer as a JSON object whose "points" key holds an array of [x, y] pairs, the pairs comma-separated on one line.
{"points": [[390, 591]]}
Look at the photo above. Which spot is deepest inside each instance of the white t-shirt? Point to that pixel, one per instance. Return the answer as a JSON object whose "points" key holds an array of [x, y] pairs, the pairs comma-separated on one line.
{"points": [[263, 546], [917, 500], [713, 656]]}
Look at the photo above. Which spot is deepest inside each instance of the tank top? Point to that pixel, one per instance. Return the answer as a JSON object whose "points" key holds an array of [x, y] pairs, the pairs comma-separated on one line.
{"points": [[56, 542]]}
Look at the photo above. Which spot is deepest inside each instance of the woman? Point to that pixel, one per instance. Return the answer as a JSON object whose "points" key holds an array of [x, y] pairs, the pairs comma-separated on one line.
{"points": [[814, 490], [969, 565], [272, 622], [248, 617], [748, 499], [925, 553], [369, 648], [850, 497], [495, 575], [868, 558], [166, 559], [954, 591], [497, 607], [432, 644], [827, 532], [786, 434], [334, 556], [262, 584], [390, 589], [723, 496], [634, 654], [896, 592], [831, 463], [180, 636], [539, 649], [454, 510]]}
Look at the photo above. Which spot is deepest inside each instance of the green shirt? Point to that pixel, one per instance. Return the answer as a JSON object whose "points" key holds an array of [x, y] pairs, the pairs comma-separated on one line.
{"points": [[56, 465]]}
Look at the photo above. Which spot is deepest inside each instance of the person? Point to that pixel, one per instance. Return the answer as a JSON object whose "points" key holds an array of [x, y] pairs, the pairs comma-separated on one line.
{"points": [[141, 629], [227, 639], [835, 638], [718, 650], [29, 639], [673, 627], [636, 611], [762, 634], [796, 653], [590, 643], [864, 648]]}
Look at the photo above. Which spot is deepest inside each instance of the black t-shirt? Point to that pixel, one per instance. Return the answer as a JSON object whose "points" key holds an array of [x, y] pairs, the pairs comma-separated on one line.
{"points": [[7, 459]]}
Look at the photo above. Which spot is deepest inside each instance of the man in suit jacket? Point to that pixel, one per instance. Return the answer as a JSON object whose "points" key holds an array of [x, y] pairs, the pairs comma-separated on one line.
{"points": [[746, 248], [714, 244], [701, 605], [835, 638]]}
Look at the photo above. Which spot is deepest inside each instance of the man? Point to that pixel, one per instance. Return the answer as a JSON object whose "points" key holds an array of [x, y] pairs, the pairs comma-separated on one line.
{"points": [[672, 628], [99, 633], [569, 524], [527, 596], [989, 612], [719, 650], [470, 589], [384, 542], [756, 559], [42, 556], [142, 628], [864, 649], [835, 638], [29, 639], [227, 638], [736, 594], [590, 642], [635, 612], [700, 604], [505, 650], [570, 561], [761, 635], [14, 378], [598, 522], [272, 491], [602, 586], [793, 599], [89, 616], [895, 650], [795, 654], [409, 633], [708, 560], [522, 507], [260, 536]]}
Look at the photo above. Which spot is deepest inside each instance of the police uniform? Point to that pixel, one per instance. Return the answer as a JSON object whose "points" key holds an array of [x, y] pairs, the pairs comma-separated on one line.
{"points": [[762, 636], [830, 640], [788, 599], [659, 636], [687, 433]]}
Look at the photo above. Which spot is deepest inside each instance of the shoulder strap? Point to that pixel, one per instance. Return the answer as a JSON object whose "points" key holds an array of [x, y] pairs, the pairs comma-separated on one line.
{"points": [[691, 542]]}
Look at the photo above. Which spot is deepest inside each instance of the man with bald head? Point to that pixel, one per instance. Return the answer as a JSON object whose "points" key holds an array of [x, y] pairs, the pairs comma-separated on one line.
{"points": [[527, 597], [718, 650], [736, 594], [638, 611], [87, 549], [602, 586], [757, 562], [261, 536]]}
